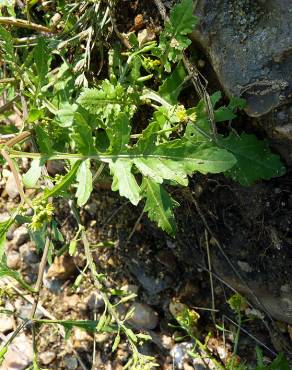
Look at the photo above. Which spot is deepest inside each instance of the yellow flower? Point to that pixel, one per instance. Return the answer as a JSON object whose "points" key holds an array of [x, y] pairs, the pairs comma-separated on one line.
{"points": [[181, 114]]}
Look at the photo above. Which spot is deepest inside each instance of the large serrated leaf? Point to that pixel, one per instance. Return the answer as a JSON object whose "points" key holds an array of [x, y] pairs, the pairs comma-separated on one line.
{"points": [[255, 161], [124, 181], [159, 205], [107, 99], [176, 159], [84, 180]]}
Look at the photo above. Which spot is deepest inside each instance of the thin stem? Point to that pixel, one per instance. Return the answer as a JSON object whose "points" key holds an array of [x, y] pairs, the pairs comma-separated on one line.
{"points": [[210, 277], [41, 271], [22, 23], [93, 270], [7, 80], [19, 186]]}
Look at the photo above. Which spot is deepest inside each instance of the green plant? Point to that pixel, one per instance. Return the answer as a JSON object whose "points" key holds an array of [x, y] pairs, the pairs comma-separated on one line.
{"points": [[100, 126], [279, 363]]}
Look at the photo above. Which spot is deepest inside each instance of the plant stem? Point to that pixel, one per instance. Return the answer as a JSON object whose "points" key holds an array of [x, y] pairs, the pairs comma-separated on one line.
{"points": [[41, 271], [24, 198], [22, 23]]}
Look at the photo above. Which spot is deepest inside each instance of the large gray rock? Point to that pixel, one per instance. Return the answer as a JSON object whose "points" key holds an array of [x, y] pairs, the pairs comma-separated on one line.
{"points": [[249, 44]]}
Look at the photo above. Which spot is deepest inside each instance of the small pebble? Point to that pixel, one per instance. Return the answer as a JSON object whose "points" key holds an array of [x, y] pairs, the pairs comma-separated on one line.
{"points": [[7, 323], [144, 317], [47, 358], [13, 260], [10, 187], [20, 235], [71, 363]]}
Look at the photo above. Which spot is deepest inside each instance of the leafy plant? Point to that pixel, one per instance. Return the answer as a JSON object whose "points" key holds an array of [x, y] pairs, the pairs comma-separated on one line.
{"points": [[279, 363], [69, 119]]}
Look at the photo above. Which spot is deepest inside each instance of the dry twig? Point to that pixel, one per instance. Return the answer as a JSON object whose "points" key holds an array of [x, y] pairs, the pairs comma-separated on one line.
{"points": [[22, 23]]}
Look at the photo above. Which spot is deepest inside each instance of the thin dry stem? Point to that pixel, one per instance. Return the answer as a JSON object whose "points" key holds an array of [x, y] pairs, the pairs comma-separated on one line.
{"points": [[22, 23]]}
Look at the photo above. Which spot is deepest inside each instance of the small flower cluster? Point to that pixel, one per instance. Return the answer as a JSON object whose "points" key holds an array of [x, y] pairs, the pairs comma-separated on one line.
{"points": [[43, 213]]}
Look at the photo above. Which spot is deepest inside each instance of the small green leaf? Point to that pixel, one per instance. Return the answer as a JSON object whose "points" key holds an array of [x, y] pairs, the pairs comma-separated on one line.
{"points": [[88, 325], [84, 180], [82, 135], [172, 85], [5, 271], [182, 19], [236, 103], [30, 178], [119, 133], [130, 334], [4, 227], [44, 141], [42, 58], [116, 342], [280, 363], [255, 161], [159, 205], [65, 114], [64, 183], [8, 129], [73, 247], [35, 114], [6, 45], [124, 181], [224, 114], [3, 352]]}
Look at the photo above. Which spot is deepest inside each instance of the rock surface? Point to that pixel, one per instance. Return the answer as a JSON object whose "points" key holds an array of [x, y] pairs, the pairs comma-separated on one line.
{"points": [[10, 187], [144, 317], [19, 354], [249, 44], [7, 323], [13, 260], [20, 235], [47, 357], [62, 268]]}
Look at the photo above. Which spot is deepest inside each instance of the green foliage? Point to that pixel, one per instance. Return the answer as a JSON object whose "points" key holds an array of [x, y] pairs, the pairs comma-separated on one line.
{"points": [[4, 227], [5, 271], [173, 84], [159, 205], [96, 124], [30, 178], [173, 40], [134, 123], [237, 303], [254, 159], [279, 363], [108, 99], [84, 180]]}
